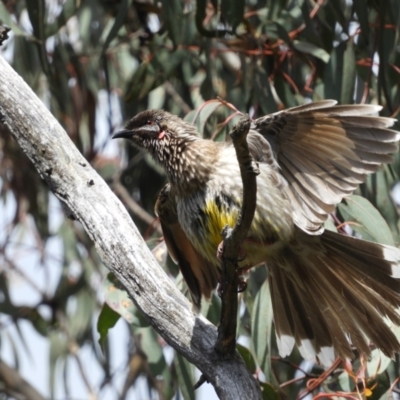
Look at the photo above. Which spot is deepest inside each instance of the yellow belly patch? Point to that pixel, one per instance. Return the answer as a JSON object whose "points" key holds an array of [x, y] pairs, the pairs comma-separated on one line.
{"points": [[258, 245], [216, 220]]}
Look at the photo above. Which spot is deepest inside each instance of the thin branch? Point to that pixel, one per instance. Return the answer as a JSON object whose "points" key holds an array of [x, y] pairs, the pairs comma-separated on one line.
{"points": [[15, 383], [73, 348], [134, 207], [169, 88], [233, 239]]}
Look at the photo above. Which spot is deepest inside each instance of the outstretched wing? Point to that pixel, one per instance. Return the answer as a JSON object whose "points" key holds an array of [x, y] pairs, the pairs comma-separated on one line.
{"points": [[200, 275], [324, 152]]}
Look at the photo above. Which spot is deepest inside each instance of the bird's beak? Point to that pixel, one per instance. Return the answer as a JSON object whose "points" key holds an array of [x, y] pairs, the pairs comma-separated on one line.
{"points": [[125, 133]]}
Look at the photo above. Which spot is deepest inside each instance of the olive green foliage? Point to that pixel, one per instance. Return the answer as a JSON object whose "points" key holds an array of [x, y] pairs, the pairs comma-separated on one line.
{"points": [[254, 56]]}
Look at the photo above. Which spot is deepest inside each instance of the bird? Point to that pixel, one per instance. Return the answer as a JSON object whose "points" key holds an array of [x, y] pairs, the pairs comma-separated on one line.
{"points": [[331, 293]]}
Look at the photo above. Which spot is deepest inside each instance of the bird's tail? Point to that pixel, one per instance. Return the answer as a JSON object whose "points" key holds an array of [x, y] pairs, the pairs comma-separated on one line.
{"points": [[332, 292]]}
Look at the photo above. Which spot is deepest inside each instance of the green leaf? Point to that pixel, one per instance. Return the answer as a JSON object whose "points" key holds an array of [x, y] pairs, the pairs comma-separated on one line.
{"points": [[232, 11], [184, 371], [377, 189], [203, 113], [79, 320], [36, 11], [58, 349], [362, 14], [268, 392], [276, 31], [69, 9], [329, 225], [170, 384], [5, 19], [312, 49], [334, 73], [284, 91], [172, 12], [118, 300], [262, 316], [149, 342], [141, 82], [68, 237], [338, 7], [262, 91], [37, 15], [377, 363], [120, 18], [275, 8], [107, 320], [368, 222], [154, 73], [349, 74], [247, 358], [345, 382], [214, 311]]}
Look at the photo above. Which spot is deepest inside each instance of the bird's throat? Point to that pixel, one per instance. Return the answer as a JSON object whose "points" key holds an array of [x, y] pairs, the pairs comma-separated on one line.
{"points": [[188, 165]]}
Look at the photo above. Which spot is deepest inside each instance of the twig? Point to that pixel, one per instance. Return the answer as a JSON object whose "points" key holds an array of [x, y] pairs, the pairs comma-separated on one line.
{"points": [[22, 274], [233, 238], [201, 380], [73, 348], [295, 366], [15, 383], [134, 207], [169, 88], [312, 384]]}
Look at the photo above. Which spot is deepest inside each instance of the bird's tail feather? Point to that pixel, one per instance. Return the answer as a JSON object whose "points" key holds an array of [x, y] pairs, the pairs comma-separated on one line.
{"points": [[334, 291]]}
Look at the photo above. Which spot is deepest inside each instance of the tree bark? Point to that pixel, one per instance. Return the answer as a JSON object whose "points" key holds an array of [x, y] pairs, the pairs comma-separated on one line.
{"points": [[88, 199]]}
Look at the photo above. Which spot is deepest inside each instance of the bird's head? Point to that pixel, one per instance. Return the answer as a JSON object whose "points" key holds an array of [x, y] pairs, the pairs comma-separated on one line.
{"points": [[156, 131], [166, 137]]}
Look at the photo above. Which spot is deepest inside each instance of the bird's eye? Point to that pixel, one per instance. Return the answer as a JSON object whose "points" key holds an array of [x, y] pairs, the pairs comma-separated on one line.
{"points": [[149, 122]]}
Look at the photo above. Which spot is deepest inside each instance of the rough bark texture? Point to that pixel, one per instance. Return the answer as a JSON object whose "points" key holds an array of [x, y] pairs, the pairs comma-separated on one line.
{"points": [[87, 198], [233, 238]]}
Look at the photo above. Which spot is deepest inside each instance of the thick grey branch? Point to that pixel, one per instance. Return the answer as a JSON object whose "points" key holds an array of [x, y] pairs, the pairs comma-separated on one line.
{"points": [[119, 244]]}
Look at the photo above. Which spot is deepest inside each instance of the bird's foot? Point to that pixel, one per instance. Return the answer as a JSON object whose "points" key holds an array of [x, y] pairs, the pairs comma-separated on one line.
{"points": [[242, 285], [220, 253]]}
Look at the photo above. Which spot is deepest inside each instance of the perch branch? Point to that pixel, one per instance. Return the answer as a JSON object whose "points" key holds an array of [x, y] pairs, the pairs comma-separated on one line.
{"points": [[233, 238]]}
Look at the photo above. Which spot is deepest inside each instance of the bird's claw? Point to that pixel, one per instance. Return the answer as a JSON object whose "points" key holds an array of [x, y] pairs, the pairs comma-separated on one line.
{"points": [[242, 285], [220, 253]]}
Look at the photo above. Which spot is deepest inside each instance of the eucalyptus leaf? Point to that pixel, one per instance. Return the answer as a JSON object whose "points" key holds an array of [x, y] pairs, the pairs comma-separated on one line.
{"points": [[118, 300], [202, 114], [312, 49], [5, 19], [349, 74], [262, 317], [247, 358], [107, 320], [149, 343], [367, 221], [185, 376]]}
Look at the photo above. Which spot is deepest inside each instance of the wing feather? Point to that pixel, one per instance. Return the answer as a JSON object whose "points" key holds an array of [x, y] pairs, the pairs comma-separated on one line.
{"points": [[325, 151], [200, 275]]}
